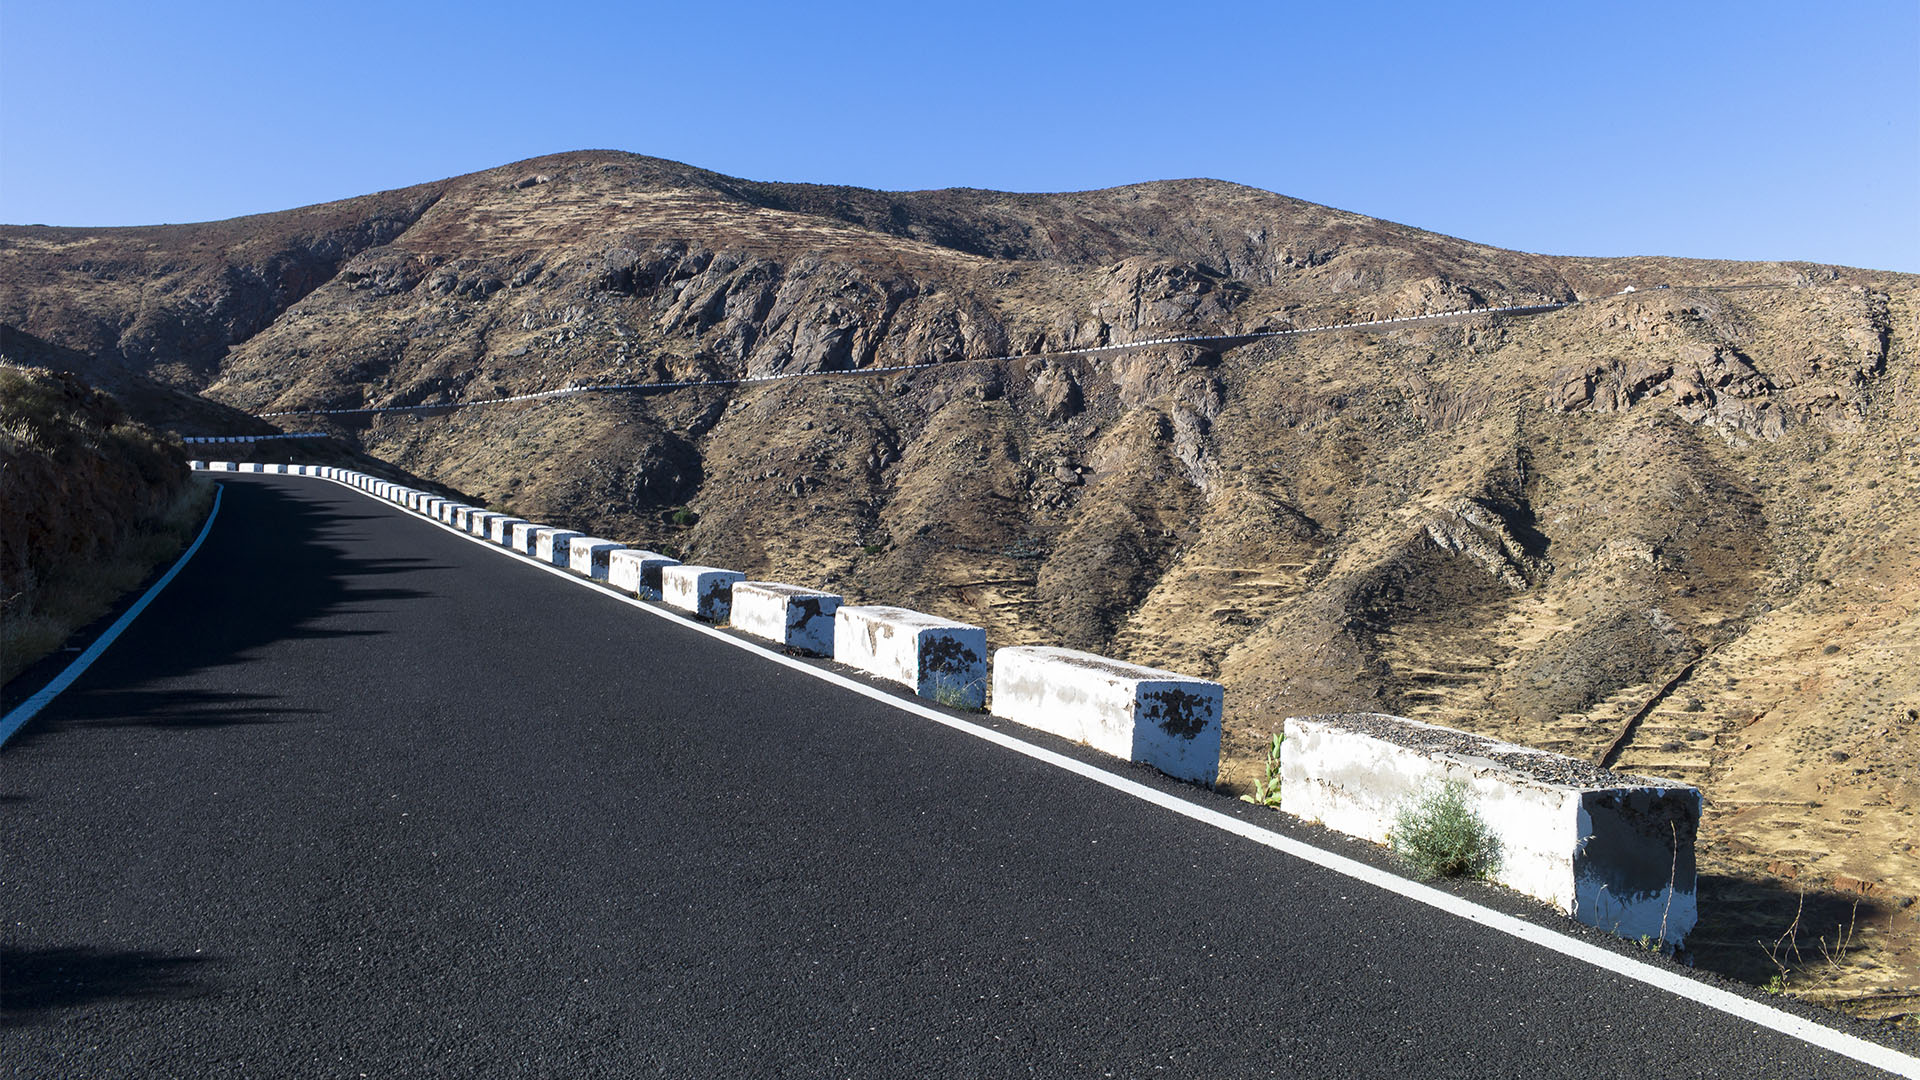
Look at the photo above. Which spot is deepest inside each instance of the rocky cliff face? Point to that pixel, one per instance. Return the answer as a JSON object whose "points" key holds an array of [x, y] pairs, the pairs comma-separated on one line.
{"points": [[1683, 513]]}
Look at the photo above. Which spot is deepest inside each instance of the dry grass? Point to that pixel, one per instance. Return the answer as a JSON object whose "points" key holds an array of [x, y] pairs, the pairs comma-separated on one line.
{"points": [[40, 617]]}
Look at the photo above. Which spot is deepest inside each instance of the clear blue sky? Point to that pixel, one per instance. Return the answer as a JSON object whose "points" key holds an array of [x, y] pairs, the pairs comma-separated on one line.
{"points": [[1733, 130]]}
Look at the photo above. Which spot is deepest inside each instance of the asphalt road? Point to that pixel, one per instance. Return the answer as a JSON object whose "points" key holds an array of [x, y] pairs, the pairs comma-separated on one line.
{"points": [[356, 797]]}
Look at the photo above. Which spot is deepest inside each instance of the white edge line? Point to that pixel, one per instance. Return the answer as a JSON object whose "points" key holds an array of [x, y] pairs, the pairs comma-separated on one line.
{"points": [[1839, 1042], [26, 710]]}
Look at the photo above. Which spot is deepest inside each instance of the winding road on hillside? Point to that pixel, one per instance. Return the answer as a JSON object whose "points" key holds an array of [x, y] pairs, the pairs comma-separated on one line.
{"points": [[359, 797]]}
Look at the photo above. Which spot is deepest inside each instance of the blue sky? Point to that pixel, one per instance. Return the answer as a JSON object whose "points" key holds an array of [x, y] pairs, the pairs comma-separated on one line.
{"points": [[1746, 131]]}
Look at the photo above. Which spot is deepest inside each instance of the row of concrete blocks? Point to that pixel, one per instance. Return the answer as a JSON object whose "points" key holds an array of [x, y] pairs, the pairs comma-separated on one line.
{"points": [[1143, 714], [1614, 852]]}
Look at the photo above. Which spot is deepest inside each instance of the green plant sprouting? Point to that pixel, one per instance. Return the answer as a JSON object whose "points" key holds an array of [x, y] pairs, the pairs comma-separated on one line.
{"points": [[1266, 792], [1440, 834]]}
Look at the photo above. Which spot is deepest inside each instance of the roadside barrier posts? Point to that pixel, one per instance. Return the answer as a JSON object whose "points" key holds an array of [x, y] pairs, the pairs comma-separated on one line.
{"points": [[500, 529], [524, 535], [587, 556], [1611, 850], [940, 659], [551, 546], [706, 592], [635, 571], [797, 617], [1158, 718]]}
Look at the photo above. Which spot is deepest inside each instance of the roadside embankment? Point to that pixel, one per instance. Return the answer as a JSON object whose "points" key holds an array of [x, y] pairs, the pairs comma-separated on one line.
{"points": [[92, 503]]}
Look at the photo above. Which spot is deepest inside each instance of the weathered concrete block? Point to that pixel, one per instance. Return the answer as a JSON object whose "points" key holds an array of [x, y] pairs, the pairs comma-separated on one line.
{"points": [[450, 512], [500, 530], [479, 522], [587, 556], [1158, 718], [942, 660], [636, 571], [551, 546], [524, 536], [799, 618], [704, 591], [1611, 850]]}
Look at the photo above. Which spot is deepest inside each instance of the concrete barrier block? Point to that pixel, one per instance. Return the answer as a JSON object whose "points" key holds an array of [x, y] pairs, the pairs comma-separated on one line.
{"points": [[430, 506], [636, 571], [450, 512], [525, 534], [940, 659], [479, 521], [250, 466], [197, 466], [221, 466], [587, 556], [277, 469], [500, 529], [798, 618], [552, 546], [704, 591], [1611, 850], [1158, 718]]}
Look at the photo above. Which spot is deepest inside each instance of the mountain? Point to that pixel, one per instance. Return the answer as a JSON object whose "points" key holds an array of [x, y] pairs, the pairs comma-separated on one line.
{"points": [[1674, 527]]}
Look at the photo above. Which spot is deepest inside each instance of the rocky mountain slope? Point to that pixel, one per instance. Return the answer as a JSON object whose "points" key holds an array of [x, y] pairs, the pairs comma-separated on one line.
{"points": [[1673, 527]]}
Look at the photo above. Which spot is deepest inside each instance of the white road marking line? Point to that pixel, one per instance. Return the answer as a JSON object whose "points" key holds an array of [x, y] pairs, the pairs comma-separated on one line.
{"points": [[26, 710], [1712, 997]]}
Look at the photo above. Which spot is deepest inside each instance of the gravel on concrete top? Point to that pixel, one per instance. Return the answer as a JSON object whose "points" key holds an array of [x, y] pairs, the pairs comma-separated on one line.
{"points": [[1540, 765]]}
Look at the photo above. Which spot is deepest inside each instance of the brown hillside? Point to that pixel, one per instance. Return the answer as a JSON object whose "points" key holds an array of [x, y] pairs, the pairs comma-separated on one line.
{"points": [[1680, 519]]}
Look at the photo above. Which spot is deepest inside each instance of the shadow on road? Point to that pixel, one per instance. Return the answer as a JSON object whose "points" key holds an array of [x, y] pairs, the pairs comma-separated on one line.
{"points": [[274, 568], [35, 982]]}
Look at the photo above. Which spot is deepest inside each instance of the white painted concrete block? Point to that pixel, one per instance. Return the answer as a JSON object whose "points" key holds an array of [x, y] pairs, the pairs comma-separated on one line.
{"points": [[277, 469], [197, 466], [449, 512], [704, 591], [1611, 850], [1158, 718], [799, 618], [552, 546], [430, 506], [525, 534], [250, 466], [943, 660], [222, 466], [636, 571], [587, 556], [478, 521], [500, 530]]}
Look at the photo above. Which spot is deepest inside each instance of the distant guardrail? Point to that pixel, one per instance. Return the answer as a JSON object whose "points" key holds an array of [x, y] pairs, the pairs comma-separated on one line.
{"points": [[892, 369]]}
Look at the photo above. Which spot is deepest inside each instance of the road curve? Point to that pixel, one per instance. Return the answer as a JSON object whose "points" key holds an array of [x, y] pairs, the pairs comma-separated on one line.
{"points": [[356, 797]]}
